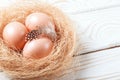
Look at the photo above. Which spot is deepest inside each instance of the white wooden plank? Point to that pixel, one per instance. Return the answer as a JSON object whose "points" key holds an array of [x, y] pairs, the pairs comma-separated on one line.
{"points": [[74, 6], [98, 29], [100, 65], [97, 22]]}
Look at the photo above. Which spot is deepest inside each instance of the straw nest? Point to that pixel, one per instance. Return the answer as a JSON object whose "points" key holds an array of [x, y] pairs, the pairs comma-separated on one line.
{"points": [[18, 67]]}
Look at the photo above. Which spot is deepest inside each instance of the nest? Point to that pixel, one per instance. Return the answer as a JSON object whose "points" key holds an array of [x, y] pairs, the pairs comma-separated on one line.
{"points": [[18, 67]]}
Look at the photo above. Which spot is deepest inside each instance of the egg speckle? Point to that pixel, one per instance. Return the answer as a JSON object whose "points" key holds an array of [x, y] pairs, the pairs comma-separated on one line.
{"points": [[14, 35], [37, 48]]}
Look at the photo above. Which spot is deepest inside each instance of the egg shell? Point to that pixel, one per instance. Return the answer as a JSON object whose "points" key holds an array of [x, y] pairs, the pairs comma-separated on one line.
{"points": [[37, 48], [14, 35], [35, 20]]}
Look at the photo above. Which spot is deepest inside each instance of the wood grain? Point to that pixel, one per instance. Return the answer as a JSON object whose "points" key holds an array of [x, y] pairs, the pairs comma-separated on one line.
{"points": [[83, 6], [98, 30], [96, 22], [99, 65], [98, 33]]}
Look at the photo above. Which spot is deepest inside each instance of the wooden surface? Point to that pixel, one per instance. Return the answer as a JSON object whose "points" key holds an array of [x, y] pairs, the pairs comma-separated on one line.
{"points": [[97, 24]]}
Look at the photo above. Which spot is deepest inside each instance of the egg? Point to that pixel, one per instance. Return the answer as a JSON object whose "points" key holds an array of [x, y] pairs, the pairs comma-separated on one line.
{"points": [[35, 20], [14, 35], [37, 48]]}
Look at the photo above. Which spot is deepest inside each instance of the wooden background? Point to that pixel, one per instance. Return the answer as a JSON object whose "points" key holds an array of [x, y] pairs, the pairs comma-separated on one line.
{"points": [[97, 24]]}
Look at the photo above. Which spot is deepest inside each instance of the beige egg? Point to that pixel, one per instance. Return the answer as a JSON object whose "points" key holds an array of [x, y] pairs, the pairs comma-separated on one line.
{"points": [[35, 20], [38, 48], [14, 35]]}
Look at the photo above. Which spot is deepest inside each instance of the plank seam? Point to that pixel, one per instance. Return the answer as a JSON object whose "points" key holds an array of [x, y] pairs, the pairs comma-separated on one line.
{"points": [[99, 50]]}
